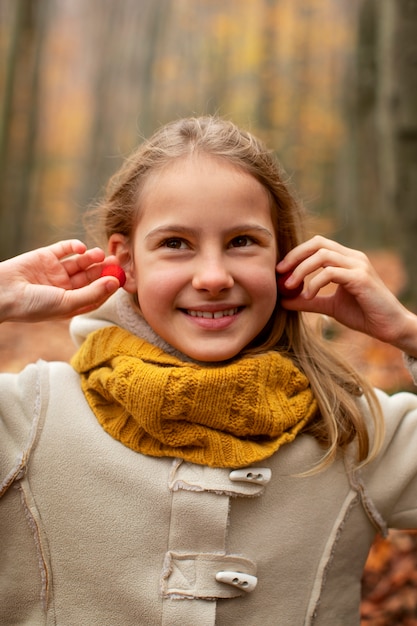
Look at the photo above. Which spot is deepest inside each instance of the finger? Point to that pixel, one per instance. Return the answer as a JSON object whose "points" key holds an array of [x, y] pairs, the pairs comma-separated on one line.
{"points": [[319, 247], [327, 260], [300, 253], [329, 277], [328, 267], [90, 273], [319, 304], [67, 247], [89, 297], [81, 262]]}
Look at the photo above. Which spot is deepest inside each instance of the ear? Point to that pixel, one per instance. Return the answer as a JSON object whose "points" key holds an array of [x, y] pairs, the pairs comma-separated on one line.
{"points": [[119, 246]]}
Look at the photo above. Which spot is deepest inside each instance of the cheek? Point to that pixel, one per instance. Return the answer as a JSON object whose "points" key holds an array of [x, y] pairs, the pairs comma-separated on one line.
{"points": [[157, 289], [265, 295], [264, 286]]}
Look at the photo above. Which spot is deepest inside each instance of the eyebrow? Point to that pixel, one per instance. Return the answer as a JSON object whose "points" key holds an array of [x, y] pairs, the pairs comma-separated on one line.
{"points": [[181, 229], [170, 228]]}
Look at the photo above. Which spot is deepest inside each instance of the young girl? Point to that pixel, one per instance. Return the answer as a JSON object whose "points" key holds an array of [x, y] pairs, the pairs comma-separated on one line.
{"points": [[206, 458]]}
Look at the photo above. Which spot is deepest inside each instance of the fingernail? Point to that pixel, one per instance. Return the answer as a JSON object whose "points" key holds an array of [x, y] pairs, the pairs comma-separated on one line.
{"points": [[112, 285]]}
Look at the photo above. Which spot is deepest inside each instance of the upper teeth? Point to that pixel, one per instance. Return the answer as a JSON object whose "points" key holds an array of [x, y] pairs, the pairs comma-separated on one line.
{"points": [[210, 315]]}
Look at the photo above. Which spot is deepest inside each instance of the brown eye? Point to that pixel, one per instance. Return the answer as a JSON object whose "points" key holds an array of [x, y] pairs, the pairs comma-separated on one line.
{"points": [[174, 243], [241, 241]]}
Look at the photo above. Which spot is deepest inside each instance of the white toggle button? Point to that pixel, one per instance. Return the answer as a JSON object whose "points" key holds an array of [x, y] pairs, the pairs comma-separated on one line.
{"points": [[258, 475], [246, 582]]}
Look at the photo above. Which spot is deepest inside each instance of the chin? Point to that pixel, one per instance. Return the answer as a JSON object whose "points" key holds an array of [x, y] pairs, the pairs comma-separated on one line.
{"points": [[212, 357]]}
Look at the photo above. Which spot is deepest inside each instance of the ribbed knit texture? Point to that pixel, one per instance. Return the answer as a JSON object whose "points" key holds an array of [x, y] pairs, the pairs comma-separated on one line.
{"points": [[227, 415]]}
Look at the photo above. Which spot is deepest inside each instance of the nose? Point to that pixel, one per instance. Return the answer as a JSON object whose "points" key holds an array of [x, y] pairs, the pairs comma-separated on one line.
{"points": [[212, 275]]}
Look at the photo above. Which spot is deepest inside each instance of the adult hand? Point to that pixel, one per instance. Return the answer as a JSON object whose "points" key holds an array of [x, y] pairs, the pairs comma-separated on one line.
{"points": [[57, 281], [360, 300]]}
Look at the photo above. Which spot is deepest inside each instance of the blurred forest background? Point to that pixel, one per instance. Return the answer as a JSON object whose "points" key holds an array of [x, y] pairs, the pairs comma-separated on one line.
{"points": [[331, 85]]}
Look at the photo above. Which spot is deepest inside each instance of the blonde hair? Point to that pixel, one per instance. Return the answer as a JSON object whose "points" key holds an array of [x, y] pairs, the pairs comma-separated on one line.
{"points": [[335, 384]]}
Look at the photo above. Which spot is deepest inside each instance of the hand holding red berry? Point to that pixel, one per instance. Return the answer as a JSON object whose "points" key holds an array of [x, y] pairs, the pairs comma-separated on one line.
{"points": [[56, 281]]}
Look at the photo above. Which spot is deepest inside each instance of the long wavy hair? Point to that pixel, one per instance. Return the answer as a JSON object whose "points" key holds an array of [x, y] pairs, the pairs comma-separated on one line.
{"points": [[336, 386]]}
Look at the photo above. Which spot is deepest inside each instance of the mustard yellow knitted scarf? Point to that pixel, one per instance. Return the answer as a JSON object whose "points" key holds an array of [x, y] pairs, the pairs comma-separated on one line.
{"points": [[228, 415]]}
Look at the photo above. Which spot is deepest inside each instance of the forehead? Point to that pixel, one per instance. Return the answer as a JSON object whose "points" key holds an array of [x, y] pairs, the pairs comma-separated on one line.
{"points": [[205, 178]]}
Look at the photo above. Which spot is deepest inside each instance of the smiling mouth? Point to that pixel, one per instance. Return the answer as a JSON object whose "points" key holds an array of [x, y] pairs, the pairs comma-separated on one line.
{"points": [[212, 315]]}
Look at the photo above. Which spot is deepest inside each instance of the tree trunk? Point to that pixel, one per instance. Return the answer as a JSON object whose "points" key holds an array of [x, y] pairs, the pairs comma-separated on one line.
{"points": [[402, 109], [20, 123], [378, 203]]}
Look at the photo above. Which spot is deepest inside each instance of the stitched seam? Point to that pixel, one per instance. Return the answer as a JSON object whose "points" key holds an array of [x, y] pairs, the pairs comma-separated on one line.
{"points": [[370, 509], [312, 613], [34, 527], [19, 469]]}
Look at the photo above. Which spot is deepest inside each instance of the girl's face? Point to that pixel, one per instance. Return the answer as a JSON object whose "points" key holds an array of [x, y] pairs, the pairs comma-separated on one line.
{"points": [[203, 256]]}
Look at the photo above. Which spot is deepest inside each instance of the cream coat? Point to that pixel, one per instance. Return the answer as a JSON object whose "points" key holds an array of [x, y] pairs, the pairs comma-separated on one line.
{"points": [[94, 534]]}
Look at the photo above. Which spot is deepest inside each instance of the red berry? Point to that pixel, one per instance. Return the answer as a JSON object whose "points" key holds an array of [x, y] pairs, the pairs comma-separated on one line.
{"points": [[115, 270], [284, 291]]}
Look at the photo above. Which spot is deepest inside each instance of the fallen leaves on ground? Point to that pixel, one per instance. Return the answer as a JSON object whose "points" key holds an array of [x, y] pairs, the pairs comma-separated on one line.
{"points": [[390, 581]]}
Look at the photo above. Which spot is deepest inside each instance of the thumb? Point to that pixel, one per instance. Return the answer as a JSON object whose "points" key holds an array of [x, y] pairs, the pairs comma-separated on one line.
{"points": [[90, 297]]}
